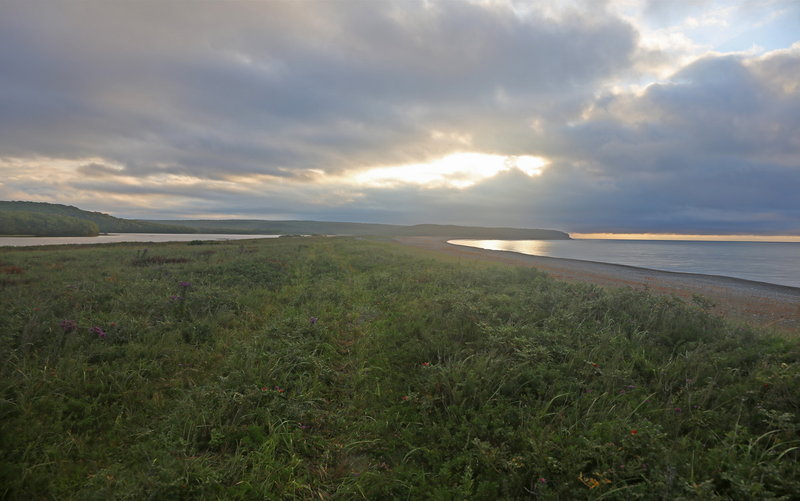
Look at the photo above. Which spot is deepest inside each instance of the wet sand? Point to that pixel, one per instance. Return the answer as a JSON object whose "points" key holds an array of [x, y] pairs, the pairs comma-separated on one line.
{"points": [[756, 303]]}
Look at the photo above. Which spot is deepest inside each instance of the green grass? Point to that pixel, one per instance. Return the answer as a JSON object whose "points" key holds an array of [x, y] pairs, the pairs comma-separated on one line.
{"points": [[421, 378]]}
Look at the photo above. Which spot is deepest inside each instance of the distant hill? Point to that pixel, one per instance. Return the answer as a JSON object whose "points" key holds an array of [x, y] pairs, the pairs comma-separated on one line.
{"points": [[20, 222], [29, 218], [40, 218], [257, 226]]}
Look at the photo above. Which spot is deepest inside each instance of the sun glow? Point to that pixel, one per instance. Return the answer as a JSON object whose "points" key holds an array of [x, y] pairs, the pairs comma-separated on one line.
{"points": [[458, 170], [677, 236]]}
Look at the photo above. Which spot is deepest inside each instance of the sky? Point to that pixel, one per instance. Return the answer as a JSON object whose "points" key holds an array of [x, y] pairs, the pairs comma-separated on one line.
{"points": [[593, 116]]}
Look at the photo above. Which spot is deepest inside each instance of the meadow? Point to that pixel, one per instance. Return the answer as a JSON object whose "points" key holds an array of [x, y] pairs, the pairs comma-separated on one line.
{"points": [[342, 368]]}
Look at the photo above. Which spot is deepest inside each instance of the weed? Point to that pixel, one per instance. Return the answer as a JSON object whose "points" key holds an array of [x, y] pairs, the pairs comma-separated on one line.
{"points": [[347, 368]]}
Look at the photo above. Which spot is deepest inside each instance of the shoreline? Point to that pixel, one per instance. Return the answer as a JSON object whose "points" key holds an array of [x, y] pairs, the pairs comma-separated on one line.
{"points": [[759, 304]]}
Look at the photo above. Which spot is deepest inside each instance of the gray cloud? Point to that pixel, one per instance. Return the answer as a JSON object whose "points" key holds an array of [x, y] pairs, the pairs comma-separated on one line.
{"points": [[255, 87], [224, 92], [98, 170]]}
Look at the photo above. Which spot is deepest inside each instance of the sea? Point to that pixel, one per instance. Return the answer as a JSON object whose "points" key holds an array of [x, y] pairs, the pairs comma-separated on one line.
{"points": [[771, 262], [124, 237]]}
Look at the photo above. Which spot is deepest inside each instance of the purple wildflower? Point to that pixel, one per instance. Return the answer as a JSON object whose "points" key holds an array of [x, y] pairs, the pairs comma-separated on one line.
{"points": [[185, 285], [68, 325], [678, 410], [313, 320], [97, 330]]}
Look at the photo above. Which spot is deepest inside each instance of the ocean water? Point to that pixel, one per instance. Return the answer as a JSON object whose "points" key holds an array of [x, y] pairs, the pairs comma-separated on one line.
{"points": [[123, 237], [772, 262]]}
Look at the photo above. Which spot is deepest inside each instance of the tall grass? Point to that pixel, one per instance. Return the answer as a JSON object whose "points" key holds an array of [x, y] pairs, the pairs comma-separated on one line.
{"points": [[321, 368]]}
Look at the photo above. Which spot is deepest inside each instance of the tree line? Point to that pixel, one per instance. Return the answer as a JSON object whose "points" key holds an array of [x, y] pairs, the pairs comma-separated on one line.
{"points": [[103, 223], [45, 225]]}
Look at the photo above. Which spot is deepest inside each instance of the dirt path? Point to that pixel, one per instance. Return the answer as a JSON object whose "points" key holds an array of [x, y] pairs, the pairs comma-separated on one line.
{"points": [[756, 303]]}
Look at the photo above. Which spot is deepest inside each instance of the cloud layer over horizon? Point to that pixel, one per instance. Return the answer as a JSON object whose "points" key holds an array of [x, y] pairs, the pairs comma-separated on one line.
{"points": [[646, 116]]}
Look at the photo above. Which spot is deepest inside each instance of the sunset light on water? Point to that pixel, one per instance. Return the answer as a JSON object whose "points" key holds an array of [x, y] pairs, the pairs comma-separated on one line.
{"points": [[676, 236]]}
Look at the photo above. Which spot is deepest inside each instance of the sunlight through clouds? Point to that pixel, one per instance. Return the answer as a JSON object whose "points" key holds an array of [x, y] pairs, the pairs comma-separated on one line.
{"points": [[628, 115], [458, 170]]}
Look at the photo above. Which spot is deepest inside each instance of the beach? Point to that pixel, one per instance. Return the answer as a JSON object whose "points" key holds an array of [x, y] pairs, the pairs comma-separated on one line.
{"points": [[755, 303]]}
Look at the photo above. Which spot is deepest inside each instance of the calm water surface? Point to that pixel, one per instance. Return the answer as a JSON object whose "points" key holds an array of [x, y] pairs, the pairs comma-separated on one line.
{"points": [[124, 237], [773, 262]]}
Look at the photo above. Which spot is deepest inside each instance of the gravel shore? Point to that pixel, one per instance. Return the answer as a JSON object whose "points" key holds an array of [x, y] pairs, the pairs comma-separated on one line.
{"points": [[756, 303]]}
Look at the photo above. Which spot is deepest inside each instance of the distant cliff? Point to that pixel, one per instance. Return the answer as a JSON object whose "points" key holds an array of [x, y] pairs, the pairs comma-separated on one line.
{"points": [[45, 219]]}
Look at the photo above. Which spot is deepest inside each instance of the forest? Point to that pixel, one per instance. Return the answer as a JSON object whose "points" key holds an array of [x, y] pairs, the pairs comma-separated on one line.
{"points": [[44, 225], [45, 219]]}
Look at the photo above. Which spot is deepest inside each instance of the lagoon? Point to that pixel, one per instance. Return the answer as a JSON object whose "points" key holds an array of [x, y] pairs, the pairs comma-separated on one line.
{"points": [[124, 237], [771, 262]]}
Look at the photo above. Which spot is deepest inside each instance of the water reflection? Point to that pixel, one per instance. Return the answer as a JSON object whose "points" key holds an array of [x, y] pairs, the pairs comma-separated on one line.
{"points": [[533, 247], [772, 262]]}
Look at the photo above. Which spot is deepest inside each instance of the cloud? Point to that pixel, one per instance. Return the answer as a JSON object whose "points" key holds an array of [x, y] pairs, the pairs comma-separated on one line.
{"points": [[99, 170], [258, 109], [715, 148], [302, 85]]}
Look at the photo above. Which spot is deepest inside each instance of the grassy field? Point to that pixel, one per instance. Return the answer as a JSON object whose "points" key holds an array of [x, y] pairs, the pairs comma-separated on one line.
{"points": [[335, 368]]}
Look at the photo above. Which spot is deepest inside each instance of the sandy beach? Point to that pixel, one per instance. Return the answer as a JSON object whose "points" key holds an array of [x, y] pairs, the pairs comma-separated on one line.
{"points": [[756, 303]]}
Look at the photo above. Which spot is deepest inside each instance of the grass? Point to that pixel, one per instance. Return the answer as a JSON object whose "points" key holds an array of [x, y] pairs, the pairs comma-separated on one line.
{"points": [[335, 368]]}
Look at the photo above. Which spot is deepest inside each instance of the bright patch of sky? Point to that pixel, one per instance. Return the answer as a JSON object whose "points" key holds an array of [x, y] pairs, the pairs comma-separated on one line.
{"points": [[687, 30], [679, 25], [457, 170], [628, 116]]}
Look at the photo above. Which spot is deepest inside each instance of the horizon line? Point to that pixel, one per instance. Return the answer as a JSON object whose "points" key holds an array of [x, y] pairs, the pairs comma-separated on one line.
{"points": [[680, 236]]}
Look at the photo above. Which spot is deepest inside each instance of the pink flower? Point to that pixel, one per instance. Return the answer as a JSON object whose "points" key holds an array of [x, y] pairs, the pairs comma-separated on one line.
{"points": [[97, 330], [68, 325]]}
